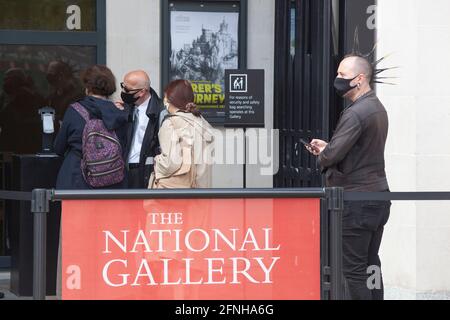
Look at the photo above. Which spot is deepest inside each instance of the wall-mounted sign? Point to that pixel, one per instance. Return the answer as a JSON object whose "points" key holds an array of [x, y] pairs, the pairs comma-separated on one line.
{"points": [[244, 98]]}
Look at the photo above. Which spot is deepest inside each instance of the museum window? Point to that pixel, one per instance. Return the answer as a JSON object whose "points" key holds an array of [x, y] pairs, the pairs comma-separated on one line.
{"points": [[43, 47]]}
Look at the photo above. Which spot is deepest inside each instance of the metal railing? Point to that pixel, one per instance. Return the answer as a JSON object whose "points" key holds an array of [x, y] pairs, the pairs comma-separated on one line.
{"points": [[333, 198], [331, 281]]}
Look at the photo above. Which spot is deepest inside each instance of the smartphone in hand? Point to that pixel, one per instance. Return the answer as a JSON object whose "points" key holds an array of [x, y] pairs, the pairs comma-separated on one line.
{"points": [[308, 145]]}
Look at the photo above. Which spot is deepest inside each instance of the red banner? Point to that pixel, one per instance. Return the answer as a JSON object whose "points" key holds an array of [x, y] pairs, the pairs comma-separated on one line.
{"points": [[238, 249]]}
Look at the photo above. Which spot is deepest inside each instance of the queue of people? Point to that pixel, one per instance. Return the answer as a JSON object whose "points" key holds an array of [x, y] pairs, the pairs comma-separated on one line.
{"points": [[139, 142], [160, 140]]}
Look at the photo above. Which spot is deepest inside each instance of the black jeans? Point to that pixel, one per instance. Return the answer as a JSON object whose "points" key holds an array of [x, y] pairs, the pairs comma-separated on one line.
{"points": [[362, 230], [138, 177], [134, 178]]}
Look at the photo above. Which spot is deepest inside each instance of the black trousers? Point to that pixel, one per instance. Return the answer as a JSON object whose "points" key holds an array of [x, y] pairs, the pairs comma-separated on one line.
{"points": [[135, 178], [362, 230]]}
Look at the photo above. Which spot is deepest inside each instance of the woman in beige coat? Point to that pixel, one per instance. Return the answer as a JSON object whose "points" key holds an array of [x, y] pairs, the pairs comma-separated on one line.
{"points": [[186, 141], [187, 146]]}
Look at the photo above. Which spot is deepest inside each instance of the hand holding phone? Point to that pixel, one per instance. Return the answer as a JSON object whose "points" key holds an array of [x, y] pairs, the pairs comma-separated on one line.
{"points": [[310, 147]]}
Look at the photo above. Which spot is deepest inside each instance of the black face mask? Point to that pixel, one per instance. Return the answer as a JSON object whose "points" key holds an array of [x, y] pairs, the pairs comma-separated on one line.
{"points": [[129, 98], [343, 86]]}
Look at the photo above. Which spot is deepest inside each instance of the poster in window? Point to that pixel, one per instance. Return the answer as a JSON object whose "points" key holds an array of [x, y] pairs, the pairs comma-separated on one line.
{"points": [[203, 45]]}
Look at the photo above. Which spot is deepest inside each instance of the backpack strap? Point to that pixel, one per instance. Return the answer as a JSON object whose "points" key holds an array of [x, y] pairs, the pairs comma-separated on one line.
{"points": [[82, 111], [163, 116]]}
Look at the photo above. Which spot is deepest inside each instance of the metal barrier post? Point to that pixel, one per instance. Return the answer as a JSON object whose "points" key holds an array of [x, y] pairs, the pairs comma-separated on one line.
{"points": [[335, 200], [40, 207]]}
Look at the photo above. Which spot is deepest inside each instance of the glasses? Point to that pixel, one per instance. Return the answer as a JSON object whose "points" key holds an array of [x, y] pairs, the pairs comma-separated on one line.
{"points": [[126, 90]]}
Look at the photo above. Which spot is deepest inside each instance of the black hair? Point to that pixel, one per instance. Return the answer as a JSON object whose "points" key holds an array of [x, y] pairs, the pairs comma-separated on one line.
{"points": [[372, 67]]}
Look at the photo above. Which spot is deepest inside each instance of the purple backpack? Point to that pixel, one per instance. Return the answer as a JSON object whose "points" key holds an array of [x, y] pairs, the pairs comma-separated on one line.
{"points": [[102, 163]]}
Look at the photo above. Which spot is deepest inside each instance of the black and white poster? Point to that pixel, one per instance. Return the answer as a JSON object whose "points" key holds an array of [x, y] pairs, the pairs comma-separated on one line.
{"points": [[203, 45]]}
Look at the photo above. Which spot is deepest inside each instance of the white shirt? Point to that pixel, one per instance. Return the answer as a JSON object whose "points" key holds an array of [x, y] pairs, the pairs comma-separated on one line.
{"points": [[138, 138]]}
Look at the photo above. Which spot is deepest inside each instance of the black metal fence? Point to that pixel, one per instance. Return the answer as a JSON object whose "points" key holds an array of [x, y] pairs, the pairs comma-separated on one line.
{"points": [[332, 200], [331, 211]]}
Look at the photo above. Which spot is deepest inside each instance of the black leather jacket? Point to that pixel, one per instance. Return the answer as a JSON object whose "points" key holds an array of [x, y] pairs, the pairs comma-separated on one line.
{"points": [[354, 158]]}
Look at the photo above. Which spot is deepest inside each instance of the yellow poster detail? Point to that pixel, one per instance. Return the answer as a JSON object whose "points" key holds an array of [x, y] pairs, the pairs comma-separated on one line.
{"points": [[208, 95]]}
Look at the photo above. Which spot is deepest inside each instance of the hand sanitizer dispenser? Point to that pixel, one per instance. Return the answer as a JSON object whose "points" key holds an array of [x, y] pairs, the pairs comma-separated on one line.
{"points": [[48, 129]]}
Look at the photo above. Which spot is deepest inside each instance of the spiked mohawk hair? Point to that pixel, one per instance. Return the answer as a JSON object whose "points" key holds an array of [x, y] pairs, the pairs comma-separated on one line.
{"points": [[375, 72]]}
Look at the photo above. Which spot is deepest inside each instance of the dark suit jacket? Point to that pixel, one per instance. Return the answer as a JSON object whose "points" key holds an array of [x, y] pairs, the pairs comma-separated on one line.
{"points": [[354, 158], [150, 145]]}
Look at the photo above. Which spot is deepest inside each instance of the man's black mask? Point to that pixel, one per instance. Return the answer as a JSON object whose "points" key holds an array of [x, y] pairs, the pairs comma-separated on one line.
{"points": [[343, 86]]}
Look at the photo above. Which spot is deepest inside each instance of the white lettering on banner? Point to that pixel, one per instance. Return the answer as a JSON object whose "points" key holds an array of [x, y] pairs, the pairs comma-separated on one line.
{"points": [[188, 273], [251, 241], [243, 272], [160, 234], [167, 272], [265, 269], [73, 281], [148, 274], [211, 270], [73, 22], [230, 243], [106, 278], [154, 241], [267, 232], [122, 245], [240, 271], [188, 242], [166, 218], [177, 241], [371, 21], [141, 240], [178, 271]]}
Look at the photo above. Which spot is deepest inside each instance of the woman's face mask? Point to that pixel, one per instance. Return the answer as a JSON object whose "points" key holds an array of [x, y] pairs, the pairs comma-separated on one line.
{"points": [[166, 104]]}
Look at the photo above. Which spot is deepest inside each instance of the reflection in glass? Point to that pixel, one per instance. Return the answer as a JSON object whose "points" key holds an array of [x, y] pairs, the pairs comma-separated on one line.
{"points": [[48, 15], [32, 77], [293, 35]]}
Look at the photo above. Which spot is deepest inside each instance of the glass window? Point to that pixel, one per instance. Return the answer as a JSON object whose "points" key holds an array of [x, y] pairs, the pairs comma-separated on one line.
{"points": [[32, 77], [293, 25], [48, 15], [44, 44]]}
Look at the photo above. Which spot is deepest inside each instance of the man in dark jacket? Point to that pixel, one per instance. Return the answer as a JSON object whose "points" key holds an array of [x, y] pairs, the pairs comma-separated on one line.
{"points": [[354, 160], [145, 108]]}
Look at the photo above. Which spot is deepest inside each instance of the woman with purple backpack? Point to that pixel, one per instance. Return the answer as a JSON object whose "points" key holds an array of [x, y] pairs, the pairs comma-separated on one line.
{"points": [[92, 140], [92, 137]]}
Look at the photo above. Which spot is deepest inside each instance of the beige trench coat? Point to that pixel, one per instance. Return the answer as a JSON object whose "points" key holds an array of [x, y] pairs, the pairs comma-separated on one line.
{"points": [[187, 150]]}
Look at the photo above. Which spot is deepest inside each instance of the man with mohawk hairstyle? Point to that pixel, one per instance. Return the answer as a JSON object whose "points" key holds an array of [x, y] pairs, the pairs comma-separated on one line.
{"points": [[354, 160]]}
